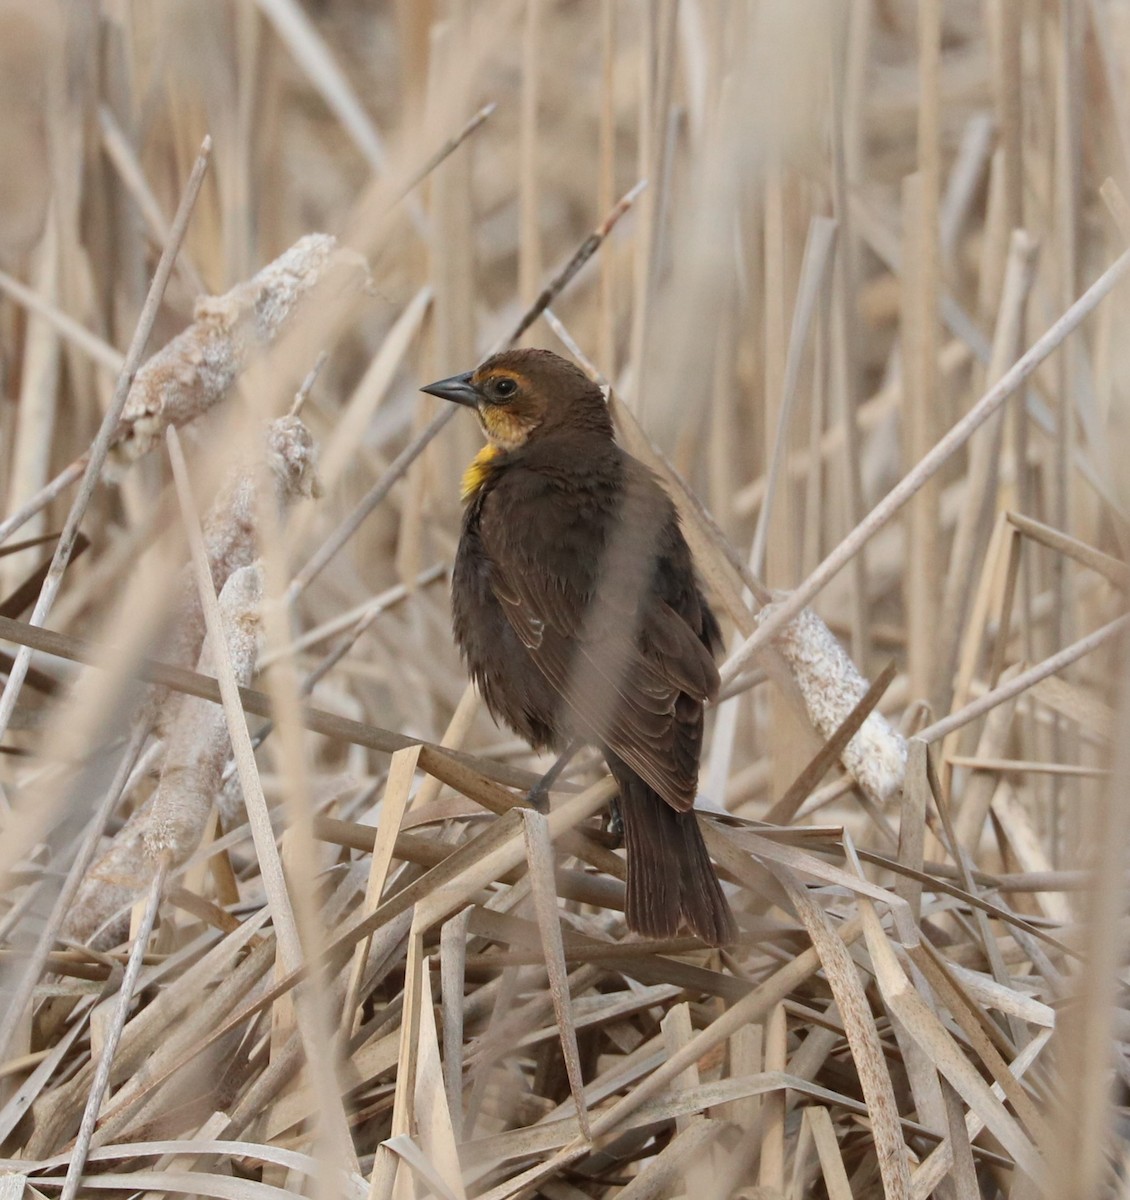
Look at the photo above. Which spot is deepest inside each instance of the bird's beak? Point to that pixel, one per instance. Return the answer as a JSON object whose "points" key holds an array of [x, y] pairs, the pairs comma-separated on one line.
{"points": [[457, 388]]}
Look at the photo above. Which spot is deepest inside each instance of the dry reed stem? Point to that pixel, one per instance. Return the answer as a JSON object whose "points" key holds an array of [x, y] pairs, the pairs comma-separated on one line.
{"points": [[931, 463], [126, 864], [454, 768], [317, 60], [312, 1020], [1025, 680], [975, 525], [401, 770], [106, 432], [101, 353], [285, 470], [168, 828], [63, 908], [113, 1033]]}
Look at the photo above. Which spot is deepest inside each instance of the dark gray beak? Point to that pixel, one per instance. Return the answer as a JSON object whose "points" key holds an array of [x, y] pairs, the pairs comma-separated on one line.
{"points": [[457, 388]]}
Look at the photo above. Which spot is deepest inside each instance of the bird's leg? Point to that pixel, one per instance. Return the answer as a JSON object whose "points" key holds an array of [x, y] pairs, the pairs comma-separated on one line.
{"points": [[538, 795]]}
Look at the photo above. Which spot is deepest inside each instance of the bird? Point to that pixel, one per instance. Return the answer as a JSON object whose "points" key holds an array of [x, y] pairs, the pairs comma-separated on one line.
{"points": [[578, 613]]}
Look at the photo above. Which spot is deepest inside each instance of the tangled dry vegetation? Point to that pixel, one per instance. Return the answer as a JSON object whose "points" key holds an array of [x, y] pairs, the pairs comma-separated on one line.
{"points": [[274, 920]]}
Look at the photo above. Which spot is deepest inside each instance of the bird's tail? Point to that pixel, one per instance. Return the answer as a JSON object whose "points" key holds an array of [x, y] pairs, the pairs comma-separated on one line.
{"points": [[670, 875]]}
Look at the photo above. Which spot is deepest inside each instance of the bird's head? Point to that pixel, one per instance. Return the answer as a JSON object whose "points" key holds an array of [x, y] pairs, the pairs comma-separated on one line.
{"points": [[523, 394]]}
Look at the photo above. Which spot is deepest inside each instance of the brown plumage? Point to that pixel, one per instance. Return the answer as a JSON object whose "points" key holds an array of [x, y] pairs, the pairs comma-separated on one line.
{"points": [[579, 616]]}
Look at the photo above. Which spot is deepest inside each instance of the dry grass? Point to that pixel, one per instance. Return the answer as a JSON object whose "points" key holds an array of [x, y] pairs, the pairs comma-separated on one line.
{"points": [[281, 924]]}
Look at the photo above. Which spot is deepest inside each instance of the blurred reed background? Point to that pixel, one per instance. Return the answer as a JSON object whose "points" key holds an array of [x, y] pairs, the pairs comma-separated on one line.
{"points": [[347, 978]]}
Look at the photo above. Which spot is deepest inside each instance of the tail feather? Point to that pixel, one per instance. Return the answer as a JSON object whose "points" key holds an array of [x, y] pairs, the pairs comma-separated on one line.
{"points": [[670, 875]]}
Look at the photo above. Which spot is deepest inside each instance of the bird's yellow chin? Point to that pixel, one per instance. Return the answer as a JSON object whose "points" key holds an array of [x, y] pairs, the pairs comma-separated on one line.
{"points": [[504, 430]]}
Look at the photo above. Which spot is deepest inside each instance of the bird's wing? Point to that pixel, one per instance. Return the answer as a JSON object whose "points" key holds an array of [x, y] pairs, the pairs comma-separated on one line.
{"points": [[595, 599]]}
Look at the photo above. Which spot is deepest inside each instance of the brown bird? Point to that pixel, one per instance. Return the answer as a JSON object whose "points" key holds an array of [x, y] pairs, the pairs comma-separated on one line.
{"points": [[579, 616]]}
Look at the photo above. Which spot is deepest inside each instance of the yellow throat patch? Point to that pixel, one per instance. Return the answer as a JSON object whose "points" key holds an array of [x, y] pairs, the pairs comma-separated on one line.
{"points": [[477, 470]]}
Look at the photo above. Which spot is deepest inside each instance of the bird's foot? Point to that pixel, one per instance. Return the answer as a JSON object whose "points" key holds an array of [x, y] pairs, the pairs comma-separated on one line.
{"points": [[614, 824], [538, 797]]}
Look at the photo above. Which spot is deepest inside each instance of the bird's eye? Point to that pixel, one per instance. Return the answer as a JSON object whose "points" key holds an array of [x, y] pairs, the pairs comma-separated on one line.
{"points": [[504, 388]]}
